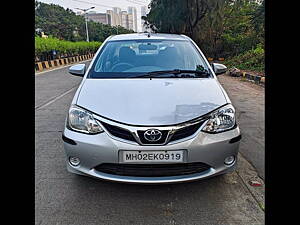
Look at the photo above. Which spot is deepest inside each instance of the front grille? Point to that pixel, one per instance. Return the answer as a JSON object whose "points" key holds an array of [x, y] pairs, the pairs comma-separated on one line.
{"points": [[127, 135], [119, 132], [152, 170], [186, 131]]}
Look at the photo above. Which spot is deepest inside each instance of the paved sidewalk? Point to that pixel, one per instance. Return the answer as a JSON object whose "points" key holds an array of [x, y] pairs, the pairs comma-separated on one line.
{"points": [[249, 101]]}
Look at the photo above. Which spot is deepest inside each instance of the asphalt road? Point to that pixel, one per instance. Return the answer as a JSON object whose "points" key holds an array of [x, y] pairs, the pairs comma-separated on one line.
{"points": [[65, 198]]}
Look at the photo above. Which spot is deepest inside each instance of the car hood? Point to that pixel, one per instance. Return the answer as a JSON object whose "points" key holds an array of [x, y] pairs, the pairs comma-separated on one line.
{"points": [[151, 102]]}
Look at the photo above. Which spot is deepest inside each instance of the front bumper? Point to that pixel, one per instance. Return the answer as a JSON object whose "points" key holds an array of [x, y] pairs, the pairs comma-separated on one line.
{"points": [[93, 150]]}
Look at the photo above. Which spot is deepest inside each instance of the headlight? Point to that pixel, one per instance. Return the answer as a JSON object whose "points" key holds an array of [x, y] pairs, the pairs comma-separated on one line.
{"points": [[220, 120], [82, 121]]}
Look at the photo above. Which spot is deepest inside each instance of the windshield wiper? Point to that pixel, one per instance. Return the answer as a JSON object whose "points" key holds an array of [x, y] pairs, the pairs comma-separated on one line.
{"points": [[202, 73]]}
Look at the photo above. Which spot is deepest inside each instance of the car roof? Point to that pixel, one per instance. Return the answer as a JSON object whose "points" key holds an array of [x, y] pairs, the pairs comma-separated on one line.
{"points": [[153, 36]]}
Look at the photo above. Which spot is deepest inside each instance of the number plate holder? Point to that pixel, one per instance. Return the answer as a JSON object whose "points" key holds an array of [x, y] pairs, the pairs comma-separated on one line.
{"points": [[151, 157]]}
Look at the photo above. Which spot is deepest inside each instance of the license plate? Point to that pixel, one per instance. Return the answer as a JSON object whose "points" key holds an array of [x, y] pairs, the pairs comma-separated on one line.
{"points": [[152, 156]]}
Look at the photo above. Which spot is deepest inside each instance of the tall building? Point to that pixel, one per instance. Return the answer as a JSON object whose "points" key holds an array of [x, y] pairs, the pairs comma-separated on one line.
{"points": [[111, 15], [132, 11], [124, 19], [99, 17], [130, 22], [127, 20], [117, 16], [117, 10]]}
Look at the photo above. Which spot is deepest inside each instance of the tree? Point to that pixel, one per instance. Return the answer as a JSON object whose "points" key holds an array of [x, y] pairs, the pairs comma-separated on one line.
{"points": [[65, 24], [210, 29], [222, 28], [177, 16], [258, 21]]}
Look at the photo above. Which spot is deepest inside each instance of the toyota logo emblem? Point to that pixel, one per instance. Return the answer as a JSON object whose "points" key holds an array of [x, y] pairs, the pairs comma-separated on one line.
{"points": [[152, 135]]}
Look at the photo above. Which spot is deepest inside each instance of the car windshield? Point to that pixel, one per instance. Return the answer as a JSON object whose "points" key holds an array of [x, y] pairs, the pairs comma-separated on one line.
{"points": [[131, 58]]}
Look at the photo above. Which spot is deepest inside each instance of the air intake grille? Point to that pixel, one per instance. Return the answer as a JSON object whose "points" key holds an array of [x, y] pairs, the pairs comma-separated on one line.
{"points": [[152, 170], [119, 132], [186, 131]]}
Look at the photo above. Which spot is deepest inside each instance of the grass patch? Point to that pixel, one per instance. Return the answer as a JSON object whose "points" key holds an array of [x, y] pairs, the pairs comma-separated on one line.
{"points": [[252, 60]]}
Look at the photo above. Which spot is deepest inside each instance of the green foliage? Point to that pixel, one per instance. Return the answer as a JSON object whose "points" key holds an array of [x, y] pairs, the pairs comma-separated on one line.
{"points": [[253, 60], [177, 16], [222, 28], [258, 21], [44, 45], [228, 29], [66, 25]]}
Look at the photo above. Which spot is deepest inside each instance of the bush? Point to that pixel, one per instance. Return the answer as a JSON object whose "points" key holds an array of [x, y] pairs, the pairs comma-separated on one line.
{"points": [[253, 59], [43, 47]]}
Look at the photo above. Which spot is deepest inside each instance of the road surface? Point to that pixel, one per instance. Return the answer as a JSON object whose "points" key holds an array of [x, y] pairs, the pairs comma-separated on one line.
{"points": [[64, 198]]}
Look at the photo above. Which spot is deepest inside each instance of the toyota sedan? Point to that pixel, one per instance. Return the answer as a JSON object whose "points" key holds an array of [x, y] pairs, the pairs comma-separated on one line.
{"points": [[150, 109]]}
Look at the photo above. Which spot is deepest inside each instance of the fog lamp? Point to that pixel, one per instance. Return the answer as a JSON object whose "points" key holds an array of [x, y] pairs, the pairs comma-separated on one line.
{"points": [[75, 161], [229, 160]]}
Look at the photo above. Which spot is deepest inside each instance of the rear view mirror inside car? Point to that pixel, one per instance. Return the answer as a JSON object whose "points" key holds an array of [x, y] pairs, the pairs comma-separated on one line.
{"points": [[147, 47]]}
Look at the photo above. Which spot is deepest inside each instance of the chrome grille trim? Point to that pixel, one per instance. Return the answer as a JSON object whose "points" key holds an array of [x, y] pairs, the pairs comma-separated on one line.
{"points": [[134, 128]]}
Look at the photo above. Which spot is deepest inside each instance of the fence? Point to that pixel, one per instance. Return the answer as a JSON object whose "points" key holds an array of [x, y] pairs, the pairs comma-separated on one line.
{"points": [[44, 65]]}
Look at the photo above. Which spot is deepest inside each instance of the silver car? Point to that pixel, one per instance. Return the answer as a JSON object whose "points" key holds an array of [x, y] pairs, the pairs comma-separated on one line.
{"points": [[150, 109]]}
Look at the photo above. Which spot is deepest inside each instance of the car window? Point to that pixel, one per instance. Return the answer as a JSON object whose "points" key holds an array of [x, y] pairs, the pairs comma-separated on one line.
{"points": [[126, 58]]}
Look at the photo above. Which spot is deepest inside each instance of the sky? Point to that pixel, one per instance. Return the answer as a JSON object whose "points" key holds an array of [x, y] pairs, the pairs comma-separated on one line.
{"points": [[102, 5]]}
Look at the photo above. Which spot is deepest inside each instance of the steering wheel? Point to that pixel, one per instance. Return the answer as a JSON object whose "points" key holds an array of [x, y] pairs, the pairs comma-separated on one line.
{"points": [[117, 67]]}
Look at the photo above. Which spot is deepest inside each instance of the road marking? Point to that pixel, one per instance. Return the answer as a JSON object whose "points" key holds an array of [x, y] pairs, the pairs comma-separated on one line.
{"points": [[61, 67], [43, 105]]}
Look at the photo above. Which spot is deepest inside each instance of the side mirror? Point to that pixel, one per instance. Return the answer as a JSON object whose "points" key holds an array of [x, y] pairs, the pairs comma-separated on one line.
{"points": [[77, 70], [219, 68]]}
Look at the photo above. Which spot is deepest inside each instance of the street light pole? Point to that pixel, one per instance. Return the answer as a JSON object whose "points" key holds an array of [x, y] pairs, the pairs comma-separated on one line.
{"points": [[86, 28], [86, 24]]}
